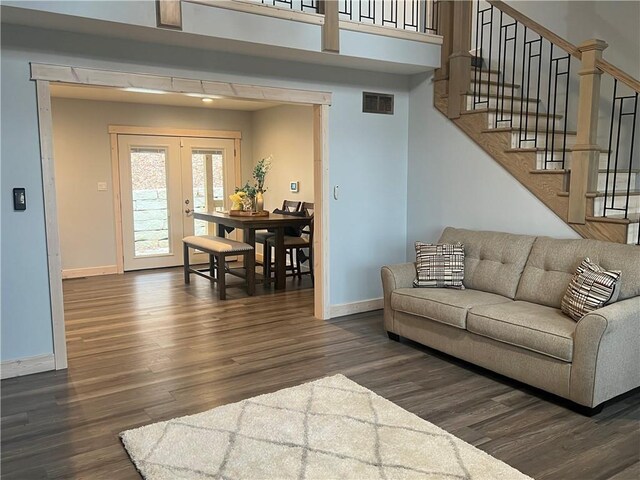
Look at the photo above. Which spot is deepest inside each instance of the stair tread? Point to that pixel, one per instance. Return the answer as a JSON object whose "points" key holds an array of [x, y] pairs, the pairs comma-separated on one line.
{"points": [[491, 110], [494, 82], [618, 218], [564, 170], [495, 95], [632, 193], [484, 69], [530, 130], [542, 149]]}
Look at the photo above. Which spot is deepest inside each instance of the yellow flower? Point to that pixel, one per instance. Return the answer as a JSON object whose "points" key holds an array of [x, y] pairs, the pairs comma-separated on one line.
{"points": [[237, 197]]}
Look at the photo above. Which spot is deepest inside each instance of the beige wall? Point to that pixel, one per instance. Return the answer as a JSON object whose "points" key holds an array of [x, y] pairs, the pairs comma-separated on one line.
{"points": [[286, 132], [82, 158]]}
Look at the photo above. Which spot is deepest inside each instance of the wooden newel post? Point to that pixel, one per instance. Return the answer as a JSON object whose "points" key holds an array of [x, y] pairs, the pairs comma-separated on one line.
{"points": [[460, 58], [331, 26], [585, 156], [445, 28]]}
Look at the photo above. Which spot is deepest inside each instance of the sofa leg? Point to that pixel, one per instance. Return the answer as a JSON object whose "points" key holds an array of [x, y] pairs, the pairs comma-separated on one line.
{"points": [[588, 411], [394, 336]]}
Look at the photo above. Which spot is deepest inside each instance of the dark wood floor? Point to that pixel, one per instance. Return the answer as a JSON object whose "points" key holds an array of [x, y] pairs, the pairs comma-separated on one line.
{"points": [[144, 347]]}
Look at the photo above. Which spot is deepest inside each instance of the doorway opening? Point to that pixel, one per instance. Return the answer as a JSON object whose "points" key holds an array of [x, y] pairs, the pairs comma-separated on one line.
{"points": [[163, 177]]}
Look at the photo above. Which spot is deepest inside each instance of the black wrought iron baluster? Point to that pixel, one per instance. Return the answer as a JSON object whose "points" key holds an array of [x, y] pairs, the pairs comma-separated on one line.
{"points": [[524, 92], [435, 16], [546, 132], [413, 24], [513, 73], [309, 6], [634, 115], [566, 111], [478, 68], [285, 3], [371, 11], [393, 12], [537, 97], [346, 8], [613, 114]]}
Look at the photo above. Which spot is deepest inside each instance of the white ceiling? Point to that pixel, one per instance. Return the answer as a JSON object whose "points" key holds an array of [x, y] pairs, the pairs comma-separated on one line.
{"points": [[105, 94]]}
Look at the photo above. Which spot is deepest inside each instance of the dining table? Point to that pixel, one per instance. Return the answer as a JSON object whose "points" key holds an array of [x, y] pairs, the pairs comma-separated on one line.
{"points": [[275, 222]]}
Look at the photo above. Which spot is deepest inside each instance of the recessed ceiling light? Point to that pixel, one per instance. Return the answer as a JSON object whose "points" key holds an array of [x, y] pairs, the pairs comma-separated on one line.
{"points": [[144, 90], [207, 100], [201, 95]]}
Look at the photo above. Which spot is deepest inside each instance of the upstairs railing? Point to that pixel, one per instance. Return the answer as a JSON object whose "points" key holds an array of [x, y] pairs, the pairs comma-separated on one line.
{"points": [[577, 111], [413, 15]]}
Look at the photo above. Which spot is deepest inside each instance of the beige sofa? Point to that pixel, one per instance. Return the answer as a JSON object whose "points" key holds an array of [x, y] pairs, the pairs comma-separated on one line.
{"points": [[508, 318]]}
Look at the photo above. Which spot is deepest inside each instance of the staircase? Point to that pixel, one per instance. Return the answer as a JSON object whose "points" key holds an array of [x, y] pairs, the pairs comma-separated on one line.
{"points": [[516, 97]]}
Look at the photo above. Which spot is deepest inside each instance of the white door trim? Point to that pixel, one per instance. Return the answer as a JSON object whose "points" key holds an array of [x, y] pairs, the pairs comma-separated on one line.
{"points": [[108, 78], [115, 130], [44, 74]]}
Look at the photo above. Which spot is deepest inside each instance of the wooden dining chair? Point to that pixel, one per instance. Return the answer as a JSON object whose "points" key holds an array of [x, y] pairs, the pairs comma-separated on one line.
{"points": [[307, 232], [294, 248], [263, 235]]}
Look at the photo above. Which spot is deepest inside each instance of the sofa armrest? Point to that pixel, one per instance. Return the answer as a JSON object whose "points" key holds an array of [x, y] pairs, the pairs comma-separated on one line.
{"points": [[606, 355], [393, 277]]}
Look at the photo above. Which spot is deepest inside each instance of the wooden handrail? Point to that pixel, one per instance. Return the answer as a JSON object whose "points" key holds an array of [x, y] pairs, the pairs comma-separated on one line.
{"points": [[536, 27], [618, 74]]}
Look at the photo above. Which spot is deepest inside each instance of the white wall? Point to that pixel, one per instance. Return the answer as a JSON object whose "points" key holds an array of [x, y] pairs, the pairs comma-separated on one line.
{"points": [[83, 158], [286, 132], [453, 182], [367, 155], [614, 21]]}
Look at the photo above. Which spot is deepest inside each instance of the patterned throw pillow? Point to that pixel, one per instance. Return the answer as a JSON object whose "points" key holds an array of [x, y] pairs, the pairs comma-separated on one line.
{"points": [[440, 266], [591, 288]]}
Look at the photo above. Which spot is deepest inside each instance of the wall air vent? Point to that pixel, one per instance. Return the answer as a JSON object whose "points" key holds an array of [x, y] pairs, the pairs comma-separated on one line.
{"points": [[377, 103]]}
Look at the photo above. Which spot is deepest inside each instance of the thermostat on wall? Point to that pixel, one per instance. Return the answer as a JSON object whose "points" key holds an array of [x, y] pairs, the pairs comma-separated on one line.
{"points": [[294, 186]]}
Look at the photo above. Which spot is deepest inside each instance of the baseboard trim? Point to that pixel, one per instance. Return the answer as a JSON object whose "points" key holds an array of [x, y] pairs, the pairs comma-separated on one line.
{"points": [[89, 271], [27, 366], [356, 307]]}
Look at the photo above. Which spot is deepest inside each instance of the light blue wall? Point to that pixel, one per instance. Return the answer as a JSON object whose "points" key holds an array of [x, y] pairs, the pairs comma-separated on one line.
{"points": [[25, 308], [452, 182], [368, 159]]}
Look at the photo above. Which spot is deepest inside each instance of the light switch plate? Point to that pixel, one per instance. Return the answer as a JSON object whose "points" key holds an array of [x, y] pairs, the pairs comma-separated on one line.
{"points": [[102, 186]]}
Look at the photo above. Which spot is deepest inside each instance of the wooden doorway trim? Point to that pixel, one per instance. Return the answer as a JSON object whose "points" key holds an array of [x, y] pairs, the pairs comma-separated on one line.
{"points": [[44, 74], [115, 130]]}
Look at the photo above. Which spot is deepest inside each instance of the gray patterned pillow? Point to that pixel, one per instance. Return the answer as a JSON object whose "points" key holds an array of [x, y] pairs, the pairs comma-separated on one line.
{"points": [[591, 288], [439, 265]]}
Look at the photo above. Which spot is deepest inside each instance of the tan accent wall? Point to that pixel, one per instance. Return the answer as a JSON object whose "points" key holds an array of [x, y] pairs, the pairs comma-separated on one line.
{"points": [[82, 159]]}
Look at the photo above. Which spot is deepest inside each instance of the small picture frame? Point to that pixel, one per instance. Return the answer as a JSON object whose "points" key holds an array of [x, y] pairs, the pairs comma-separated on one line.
{"points": [[294, 186]]}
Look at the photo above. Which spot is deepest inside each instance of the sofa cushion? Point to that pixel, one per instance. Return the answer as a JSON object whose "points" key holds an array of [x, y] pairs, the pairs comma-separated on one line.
{"points": [[553, 262], [442, 305], [493, 261], [527, 325]]}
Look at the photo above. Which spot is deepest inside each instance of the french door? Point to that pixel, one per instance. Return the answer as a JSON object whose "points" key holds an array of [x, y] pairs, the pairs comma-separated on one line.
{"points": [[163, 180]]}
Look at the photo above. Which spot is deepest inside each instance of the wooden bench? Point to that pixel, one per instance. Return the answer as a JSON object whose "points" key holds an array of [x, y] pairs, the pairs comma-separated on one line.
{"points": [[218, 249]]}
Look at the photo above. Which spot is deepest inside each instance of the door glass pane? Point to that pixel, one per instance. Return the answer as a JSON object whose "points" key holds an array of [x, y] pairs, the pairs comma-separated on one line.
{"points": [[208, 186], [150, 207]]}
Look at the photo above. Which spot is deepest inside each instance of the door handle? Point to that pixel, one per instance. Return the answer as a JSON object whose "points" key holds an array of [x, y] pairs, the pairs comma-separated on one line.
{"points": [[188, 212]]}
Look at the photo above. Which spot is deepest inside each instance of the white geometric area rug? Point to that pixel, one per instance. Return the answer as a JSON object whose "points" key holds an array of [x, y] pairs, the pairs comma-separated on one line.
{"points": [[328, 429]]}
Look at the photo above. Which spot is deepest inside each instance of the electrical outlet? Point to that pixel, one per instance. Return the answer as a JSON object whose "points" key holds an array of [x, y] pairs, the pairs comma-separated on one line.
{"points": [[102, 186]]}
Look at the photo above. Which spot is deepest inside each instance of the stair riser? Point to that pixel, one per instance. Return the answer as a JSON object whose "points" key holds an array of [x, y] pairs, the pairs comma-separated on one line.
{"points": [[632, 233], [619, 202], [494, 89], [527, 105], [540, 157], [621, 181], [541, 140], [527, 121], [485, 75]]}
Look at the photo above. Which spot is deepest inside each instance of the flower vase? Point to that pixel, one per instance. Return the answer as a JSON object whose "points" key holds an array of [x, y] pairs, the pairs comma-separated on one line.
{"points": [[259, 204]]}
